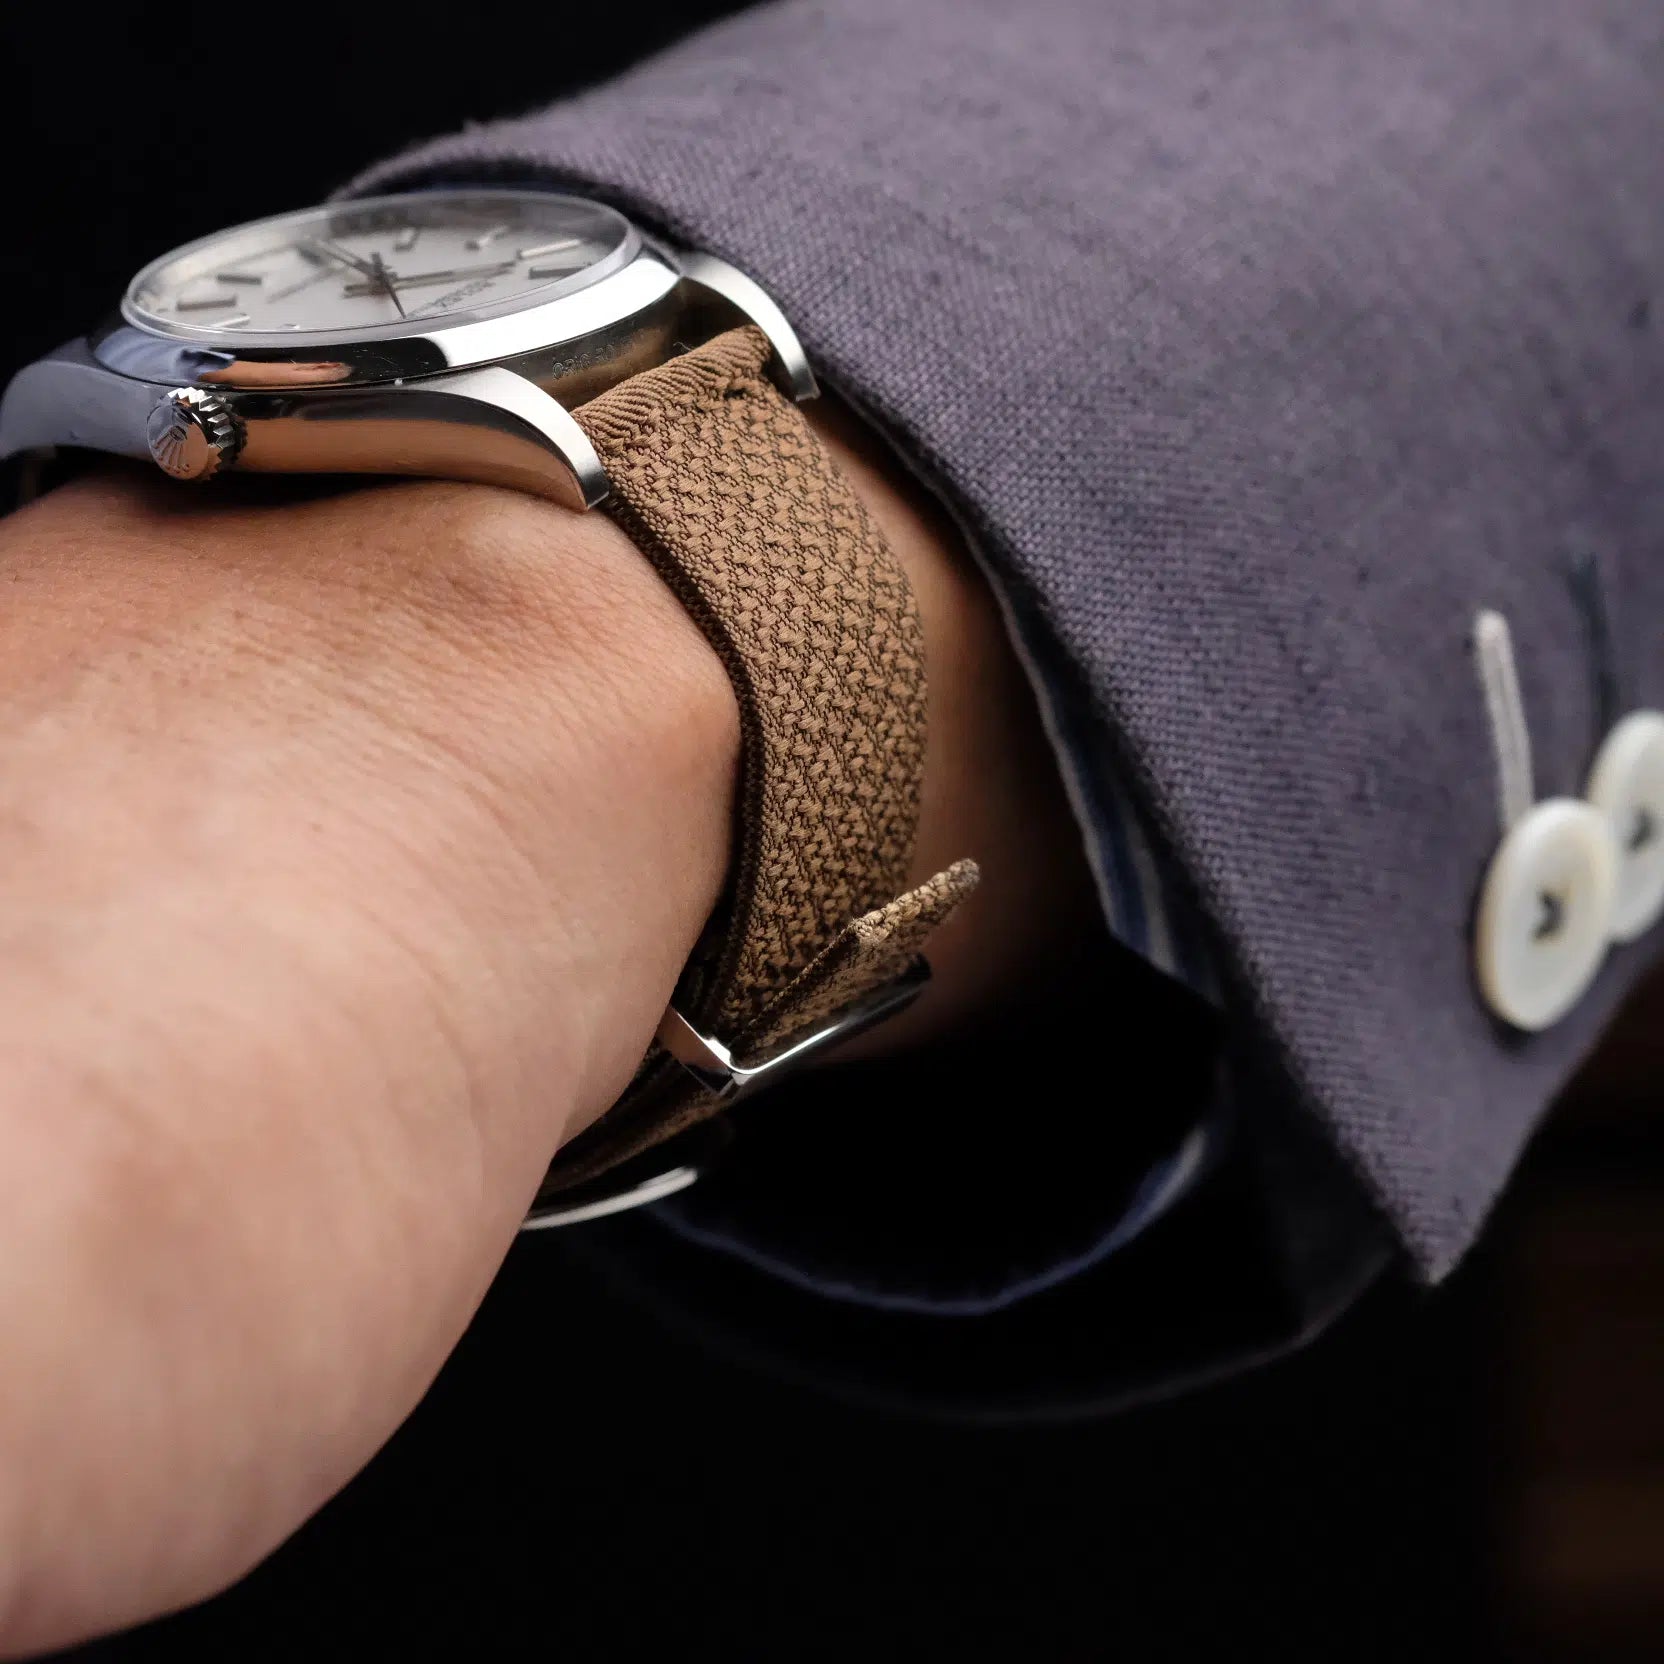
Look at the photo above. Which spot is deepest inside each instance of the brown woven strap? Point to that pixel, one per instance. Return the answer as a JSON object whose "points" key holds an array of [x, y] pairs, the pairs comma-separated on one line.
{"points": [[723, 486]]}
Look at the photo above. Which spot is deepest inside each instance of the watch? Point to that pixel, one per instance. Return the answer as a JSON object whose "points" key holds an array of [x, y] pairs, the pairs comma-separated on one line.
{"points": [[545, 342]]}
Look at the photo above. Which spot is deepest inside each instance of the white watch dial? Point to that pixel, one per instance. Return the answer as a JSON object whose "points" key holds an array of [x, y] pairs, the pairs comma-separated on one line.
{"points": [[380, 267]]}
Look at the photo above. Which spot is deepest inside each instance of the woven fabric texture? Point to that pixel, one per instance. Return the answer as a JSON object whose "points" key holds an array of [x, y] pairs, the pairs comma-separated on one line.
{"points": [[867, 953], [742, 511]]}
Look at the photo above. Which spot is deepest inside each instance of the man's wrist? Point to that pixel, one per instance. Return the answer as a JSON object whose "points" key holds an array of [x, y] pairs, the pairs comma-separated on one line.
{"points": [[493, 691], [347, 857]]}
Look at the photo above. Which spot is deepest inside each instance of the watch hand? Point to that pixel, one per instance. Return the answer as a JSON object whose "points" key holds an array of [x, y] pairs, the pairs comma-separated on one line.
{"points": [[381, 278], [445, 276], [335, 251], [387, 283]]}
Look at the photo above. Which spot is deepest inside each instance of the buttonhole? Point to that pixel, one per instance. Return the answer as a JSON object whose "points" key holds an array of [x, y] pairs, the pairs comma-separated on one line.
{"points": [[1643, 831], [1554, 915]]}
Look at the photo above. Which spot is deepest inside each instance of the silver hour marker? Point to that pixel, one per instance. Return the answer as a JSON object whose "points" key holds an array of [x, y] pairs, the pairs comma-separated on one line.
{"points": [[547, 248], [480, 239], [406, 239], [241, 277], [232, 322], [206, 305]]}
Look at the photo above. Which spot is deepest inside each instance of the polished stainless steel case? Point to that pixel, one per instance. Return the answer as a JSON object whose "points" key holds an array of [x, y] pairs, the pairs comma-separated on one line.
{"points": [[484, 399]]}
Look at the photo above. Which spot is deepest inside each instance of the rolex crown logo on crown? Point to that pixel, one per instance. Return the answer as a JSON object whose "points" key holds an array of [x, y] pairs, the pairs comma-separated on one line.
{"points": [[192, 434]]}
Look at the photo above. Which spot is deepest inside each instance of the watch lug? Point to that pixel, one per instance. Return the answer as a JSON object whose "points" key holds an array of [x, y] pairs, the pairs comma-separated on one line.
{"points": [[521, 401], [790, 363], [490, 425]]}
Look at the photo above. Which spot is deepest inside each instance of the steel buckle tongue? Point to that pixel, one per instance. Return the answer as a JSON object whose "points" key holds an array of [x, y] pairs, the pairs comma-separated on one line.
{"points": [[675, 1165], [714, 1066]]}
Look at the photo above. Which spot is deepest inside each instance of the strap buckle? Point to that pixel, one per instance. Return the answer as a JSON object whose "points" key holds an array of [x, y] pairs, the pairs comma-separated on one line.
{"points": [[675, 1165], [716, 1068], [650, 1177]]}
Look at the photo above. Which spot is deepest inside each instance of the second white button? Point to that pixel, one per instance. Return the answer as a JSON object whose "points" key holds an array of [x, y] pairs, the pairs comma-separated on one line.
{"points": [[1627, 786]]}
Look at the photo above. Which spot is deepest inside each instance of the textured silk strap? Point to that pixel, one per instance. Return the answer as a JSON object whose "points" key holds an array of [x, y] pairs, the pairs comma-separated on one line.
{"points": [[721, 483]]}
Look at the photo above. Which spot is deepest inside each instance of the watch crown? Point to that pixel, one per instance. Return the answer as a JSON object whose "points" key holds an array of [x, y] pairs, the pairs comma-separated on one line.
{"points": [[193, 434]]}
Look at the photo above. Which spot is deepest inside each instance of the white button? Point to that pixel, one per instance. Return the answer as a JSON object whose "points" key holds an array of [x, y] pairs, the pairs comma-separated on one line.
{"points": [[1545, 913], [1627, 786]]}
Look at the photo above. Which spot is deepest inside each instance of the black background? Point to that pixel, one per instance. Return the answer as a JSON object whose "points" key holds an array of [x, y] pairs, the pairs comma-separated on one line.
{"points": [[584, 1482]]}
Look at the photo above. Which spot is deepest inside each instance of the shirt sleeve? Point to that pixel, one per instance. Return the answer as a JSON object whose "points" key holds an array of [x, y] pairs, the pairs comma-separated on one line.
{"points": [[1257, 349]]}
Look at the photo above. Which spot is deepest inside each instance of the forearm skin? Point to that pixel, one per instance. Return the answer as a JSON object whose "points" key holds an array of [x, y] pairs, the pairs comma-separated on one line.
{"points": [[347, 854]]}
